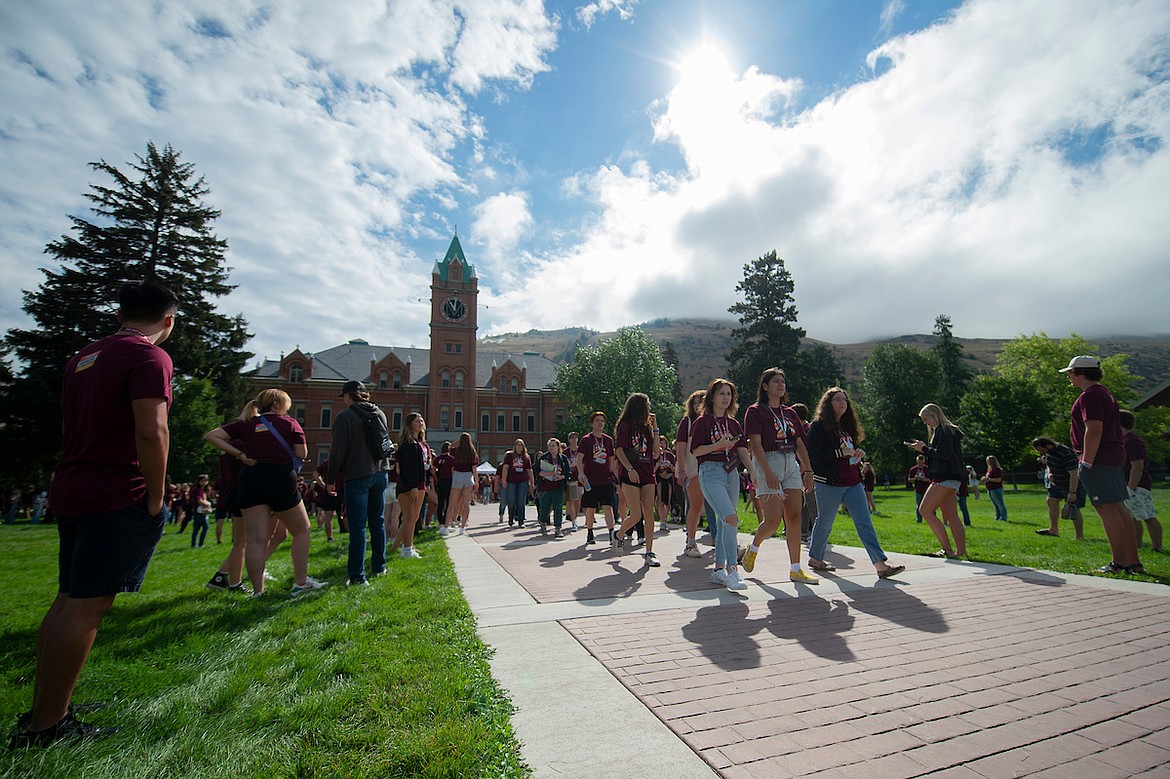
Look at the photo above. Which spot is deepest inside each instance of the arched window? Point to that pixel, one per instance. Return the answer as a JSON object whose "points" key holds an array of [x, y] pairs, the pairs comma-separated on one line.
{"points": [[458, 379], [383, 380], [296, 374], [445, 379]]}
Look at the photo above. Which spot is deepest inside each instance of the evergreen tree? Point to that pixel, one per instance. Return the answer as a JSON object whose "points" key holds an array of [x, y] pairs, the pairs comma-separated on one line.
{"points": [[816, 370], [767, 335], [670, 357], [955, 373], [150, 225]]}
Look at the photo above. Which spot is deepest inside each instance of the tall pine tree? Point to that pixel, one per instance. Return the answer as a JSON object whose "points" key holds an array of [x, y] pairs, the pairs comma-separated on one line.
{"points": [[954, 372], [150, 224]]}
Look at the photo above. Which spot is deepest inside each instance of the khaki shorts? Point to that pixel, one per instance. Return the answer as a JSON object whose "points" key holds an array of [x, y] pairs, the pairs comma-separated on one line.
{"points": [[574, 491]]}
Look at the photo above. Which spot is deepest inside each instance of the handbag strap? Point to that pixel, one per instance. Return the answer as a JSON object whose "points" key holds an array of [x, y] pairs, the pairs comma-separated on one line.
{"points": [[279, 437]]}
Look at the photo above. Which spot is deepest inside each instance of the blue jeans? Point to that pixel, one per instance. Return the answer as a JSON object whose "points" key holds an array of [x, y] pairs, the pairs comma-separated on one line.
{"points": [[516, 497], [997, 501], [721, 490], [962, 500], [365, 504], [918, 496], [828, 499]]}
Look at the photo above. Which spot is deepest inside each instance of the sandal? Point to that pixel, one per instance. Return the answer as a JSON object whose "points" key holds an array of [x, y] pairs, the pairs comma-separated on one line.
{"points": [[822, 566], [892, 570], [941, 555]]}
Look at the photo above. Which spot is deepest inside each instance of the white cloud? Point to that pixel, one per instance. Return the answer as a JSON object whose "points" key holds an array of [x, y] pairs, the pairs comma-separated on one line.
{"points": [[317, 126], [890, 12], [591, 12], [501, 222], [946, 184]]}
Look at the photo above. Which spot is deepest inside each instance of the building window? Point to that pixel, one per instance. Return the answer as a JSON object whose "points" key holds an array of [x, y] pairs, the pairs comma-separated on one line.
{"points": [[299, 414], [447, 348], [326, 415], [396, 420], [485, 422], [458, 379], [499, 423], [458, 419], [532, 423], [515, 387], [444, 418], [445, 379], [322, 453], [383, 380], [397, 380], [296, 374], [515, 423], [560, 416], [503, 385]]}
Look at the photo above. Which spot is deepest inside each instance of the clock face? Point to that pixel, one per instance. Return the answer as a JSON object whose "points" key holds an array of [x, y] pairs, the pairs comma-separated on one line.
{"points": [[454, 309]]}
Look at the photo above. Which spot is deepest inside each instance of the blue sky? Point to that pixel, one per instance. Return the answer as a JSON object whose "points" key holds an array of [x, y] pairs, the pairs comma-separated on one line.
{"points": [[612, 162]]}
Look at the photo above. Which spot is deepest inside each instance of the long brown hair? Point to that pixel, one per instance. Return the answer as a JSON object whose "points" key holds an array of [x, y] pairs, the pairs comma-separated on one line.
{"points": [[762, 387], [408, 435], [636, 414], [465, 450], [709, 397], [695, 404], [849, 423]]}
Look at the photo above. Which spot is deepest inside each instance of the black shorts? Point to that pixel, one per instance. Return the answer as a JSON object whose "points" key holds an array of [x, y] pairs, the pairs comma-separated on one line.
{"points": [[107, 553], [665, 489], [1105, 484], [329, 502], [601, 495], [269, 484], [1061, 492], [229, 503]]}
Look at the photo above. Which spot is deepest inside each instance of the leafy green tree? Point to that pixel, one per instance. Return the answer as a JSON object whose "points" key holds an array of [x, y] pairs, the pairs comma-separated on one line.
{"points": [[1001, 416], [1153, 424], [150, 224], [767, 335], [897, 380], [1037, 360], [670, 357], [955, 373], [815, 370], [601, 377], [193, 413]]}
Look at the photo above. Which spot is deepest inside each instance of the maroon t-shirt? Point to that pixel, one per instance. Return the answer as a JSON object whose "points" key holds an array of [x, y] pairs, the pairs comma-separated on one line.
{"points": [[994, 478], [709, 429], [849, 473], [596, 453], [778, 428], [229, 468], [639, 441], [519, 466], [261, 445], [444, 465], [99, 469], [467, 467], [1135, 449], [664, 467], [921, 485], [1096, 402]]}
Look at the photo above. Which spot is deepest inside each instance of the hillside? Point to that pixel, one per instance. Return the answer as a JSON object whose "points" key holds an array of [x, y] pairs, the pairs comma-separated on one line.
{"points": [[703, 343]]}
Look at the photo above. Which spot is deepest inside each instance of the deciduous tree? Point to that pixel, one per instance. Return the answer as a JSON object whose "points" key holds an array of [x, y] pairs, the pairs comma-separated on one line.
{"points": [[1001, 416], [897, 380]]}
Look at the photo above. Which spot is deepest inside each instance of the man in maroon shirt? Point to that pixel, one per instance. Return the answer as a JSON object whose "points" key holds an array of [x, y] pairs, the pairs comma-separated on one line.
{"points": [[107, 492], [1096, 437]]}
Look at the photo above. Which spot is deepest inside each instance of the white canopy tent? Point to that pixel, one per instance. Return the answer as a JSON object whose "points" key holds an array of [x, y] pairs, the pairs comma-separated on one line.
{"points": [[485, 467]]}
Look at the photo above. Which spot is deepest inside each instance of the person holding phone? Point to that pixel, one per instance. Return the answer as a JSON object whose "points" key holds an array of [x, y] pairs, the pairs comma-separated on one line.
{"points": [[637, 449], [944, 462]]}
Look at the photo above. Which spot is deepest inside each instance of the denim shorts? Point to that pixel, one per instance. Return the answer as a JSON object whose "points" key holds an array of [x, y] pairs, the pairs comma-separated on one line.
{"points": [[720, 488], [950, 484], [107, 553], [462, 479], [1104, 484], [787, 469]]}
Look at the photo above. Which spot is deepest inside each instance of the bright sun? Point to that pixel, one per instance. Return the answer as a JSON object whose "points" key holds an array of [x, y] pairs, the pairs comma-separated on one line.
{"points": [[704, 70]]}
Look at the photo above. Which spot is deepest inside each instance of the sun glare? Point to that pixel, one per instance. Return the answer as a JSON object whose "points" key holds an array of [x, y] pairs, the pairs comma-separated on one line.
{"points": [[704, 70]]}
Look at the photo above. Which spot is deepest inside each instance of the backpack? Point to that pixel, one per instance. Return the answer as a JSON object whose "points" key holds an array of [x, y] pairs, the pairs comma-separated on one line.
{"points": [[377, 436]]}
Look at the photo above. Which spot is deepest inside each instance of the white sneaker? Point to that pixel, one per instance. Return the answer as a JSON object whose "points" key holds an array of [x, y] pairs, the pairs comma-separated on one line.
{"points": [[268, 577], [719, 576], [462, 531], [411, 554], [310, 585], [575, 528], [443, 531], [693, 550], [735, 581]]}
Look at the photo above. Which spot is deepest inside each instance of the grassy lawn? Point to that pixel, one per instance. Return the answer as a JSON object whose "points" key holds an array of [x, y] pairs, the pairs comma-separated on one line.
{"points": [[384, 681], [1010, 543]]}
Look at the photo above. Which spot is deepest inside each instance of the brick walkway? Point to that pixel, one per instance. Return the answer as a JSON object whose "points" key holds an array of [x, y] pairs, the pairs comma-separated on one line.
{"points": [[955, 669]]}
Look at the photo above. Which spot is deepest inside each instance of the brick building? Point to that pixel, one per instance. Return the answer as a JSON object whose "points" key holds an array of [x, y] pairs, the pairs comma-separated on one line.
{"points": [[497, 397]]}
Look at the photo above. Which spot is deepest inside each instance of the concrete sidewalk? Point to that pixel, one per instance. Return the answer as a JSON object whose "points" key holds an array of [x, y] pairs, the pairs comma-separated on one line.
{"points": [[953, 669]]}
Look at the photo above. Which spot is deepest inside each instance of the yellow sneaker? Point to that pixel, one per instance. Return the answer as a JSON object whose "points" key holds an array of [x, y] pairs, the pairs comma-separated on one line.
{"points": [[749, 560], [803, 577]]}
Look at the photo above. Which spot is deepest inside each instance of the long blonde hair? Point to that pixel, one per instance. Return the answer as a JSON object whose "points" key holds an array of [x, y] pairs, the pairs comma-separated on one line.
{"points": [[936, 412]]}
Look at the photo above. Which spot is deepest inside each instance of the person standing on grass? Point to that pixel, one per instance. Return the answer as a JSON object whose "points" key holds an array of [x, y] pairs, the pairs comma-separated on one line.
{"points": [[553, 471], [776, 438], [268, 483], [718, 445], [1139, 482], [363, 471], [868, 482], [1096, 436], [993, 483], [636, 448], [230, 574], [919, 478], [595, 463], [464, 459], [200, 502], [833, 452], [1062, 483], [411, 483], [944, 458], [573, 487], [107, 493]]}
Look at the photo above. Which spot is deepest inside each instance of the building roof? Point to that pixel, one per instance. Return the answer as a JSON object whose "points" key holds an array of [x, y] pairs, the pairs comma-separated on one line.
{"points": [[352, 361], [454, 252]]}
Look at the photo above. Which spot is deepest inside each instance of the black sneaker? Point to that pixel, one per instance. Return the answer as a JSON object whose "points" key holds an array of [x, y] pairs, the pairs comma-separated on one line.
{"points": [[219, 581], [559, 534], [240, 588], [589, 539], [652, 560], [68, 728]]}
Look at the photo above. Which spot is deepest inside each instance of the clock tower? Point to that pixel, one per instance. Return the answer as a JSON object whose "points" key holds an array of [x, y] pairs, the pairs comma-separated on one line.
{"points": [[451, 397]]}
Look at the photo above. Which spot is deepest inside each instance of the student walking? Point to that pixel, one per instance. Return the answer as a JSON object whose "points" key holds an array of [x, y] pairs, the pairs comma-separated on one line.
{"points": [[636, 447]]}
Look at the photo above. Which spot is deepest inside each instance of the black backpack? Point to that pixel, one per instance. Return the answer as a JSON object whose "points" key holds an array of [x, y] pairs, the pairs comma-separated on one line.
{"points": [[377, 436]]}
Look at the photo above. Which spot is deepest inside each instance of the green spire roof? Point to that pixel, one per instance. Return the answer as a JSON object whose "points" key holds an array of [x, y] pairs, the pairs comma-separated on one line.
{"points": [[454, 252]]}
